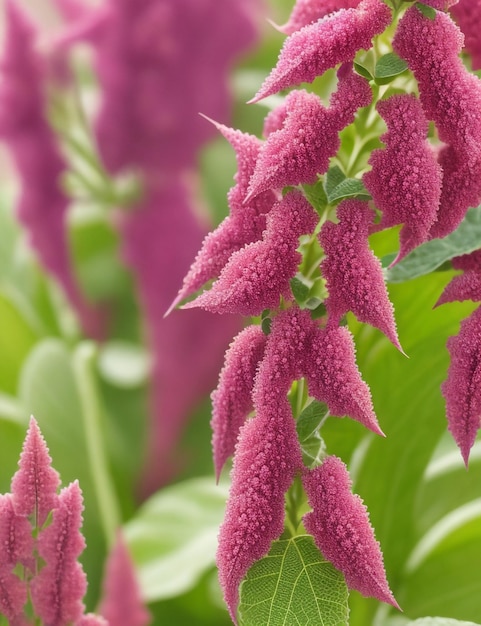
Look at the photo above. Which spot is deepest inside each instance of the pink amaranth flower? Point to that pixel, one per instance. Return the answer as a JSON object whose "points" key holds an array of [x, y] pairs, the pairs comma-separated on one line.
{"points": [[450, 96], [16, 541], [301, 148], [462, 389], [232, 400], [354, 275], [405, 180], [91, 620], [159, 238], [468, 15], [58, 589], [149, 54], [34, 486], [306, 12], [257, 276], [121, 602], [245, 223], [334, 39], [332, 377], [441, 5], [339, 523], [467, 286], [13, 596], [42, 205]]}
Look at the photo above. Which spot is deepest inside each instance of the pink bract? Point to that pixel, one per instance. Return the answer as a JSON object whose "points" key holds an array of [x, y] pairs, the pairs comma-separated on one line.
{"points": [[306, 12]]}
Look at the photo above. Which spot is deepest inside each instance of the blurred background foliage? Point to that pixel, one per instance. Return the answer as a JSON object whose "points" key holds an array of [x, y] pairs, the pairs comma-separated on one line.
{"points": [[91, 403]]}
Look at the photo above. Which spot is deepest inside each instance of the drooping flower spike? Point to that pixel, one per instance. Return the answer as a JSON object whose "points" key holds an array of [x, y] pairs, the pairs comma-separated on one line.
{"points": [[462, 389], [333, 40], [354, 275], [466, 286], [232, 400], [304, 135], [257, 276], [306, 12], [405, 180], [441, 5], [339, 523], [467, 14]]}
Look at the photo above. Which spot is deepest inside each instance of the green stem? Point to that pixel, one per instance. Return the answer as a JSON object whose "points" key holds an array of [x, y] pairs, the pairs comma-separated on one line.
{"points": [[83, 365]]}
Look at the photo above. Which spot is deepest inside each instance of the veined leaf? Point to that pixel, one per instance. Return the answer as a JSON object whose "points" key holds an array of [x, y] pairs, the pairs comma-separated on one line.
{"points": [[293, 585], [308, 425], [348, 188], [388, 67], [432, 254], [334, 177]]}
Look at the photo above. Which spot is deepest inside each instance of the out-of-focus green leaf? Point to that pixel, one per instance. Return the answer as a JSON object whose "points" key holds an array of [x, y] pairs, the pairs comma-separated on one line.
{"points": [[173, 537], [293, 584], [123, 364], [432, 254], [439, 621]]}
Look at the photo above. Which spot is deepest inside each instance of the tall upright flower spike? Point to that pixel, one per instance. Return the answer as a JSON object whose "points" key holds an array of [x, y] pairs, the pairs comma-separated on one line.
{"points": [[121, 601], [354, 275], [334, 39], [232, 400], [42, 205], [301, 148], [467, 14], [34, 486], [466, 286], [16, 541], [13, 596], [245, 223], [306, 12], [58, 589], [462, 389], [405, 180], [332, 377], [257, 276], [450, 96], [339, 523]]}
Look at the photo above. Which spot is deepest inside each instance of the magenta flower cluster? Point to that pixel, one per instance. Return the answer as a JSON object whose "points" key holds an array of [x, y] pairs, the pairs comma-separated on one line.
{"points": [[425, 187], [40, 543]]}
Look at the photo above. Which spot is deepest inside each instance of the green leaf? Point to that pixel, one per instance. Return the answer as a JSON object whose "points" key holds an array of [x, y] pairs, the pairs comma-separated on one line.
{"points": [[308, 425], [432, 254], [348, 188], [316, 195], [123, 364], [334, 177], [426, 10], [439, 621], [173, 537], [388, 67], [295, 585], [299, 289], [362, 71]]}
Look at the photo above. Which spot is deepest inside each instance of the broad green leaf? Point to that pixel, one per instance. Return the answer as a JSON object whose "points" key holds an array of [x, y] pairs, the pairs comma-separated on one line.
{"points": [[293, 585], [173, 537], [348, 188], [388, 67], [432, 254], [123, 364], [362, 71], [300, 290], [316, 195], [308, 430], [334, 177], [426, 10]]}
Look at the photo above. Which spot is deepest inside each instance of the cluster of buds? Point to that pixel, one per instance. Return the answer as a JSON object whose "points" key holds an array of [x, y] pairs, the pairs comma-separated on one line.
{"points": [[287, 226], [41, 578]]}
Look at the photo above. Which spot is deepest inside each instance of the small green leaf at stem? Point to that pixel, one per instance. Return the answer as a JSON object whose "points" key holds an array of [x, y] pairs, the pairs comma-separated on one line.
{"points": [[293, 584], [348, 188], [316, 195], [334, 177], [388, 67], [299, 289], [363, 71], [308, 425], [427, 11]]}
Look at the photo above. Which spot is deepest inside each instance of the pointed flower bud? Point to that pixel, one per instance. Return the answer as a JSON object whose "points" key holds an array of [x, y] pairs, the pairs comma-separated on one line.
{"points": [[58, 589], [232, 400], [257, 275], [308, 11], [34, 486], [466, 286], [334, 39], [405, 180], [13, 596], [339, 523], [468, 15], [333, 377], [301, 148], [354, 275], [462, 389], [121, 602]]}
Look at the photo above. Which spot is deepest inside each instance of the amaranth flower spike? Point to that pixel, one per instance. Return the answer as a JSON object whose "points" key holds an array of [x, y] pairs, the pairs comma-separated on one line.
{"points": [[468, 16], [308, 11], [466, 286], [339, 523], [334, 39]]}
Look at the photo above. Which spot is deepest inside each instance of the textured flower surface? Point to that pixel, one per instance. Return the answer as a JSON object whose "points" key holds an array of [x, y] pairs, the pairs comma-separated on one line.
{"points": [[257, 276], [462, 389], [232, 400], [442, 5], [34, 486], [304, 135], [308, 11], [468, 16], [335, 39], [405, 180], [354, 275], [339, 523], [58, 589], [121, 602], [466, 286]]}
